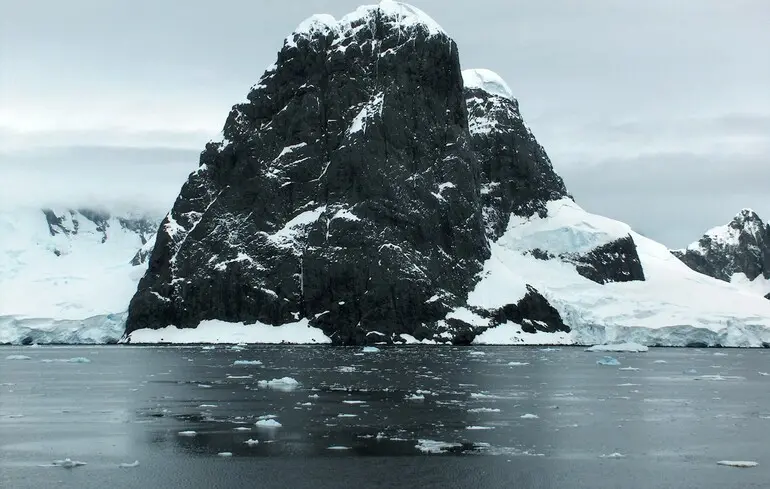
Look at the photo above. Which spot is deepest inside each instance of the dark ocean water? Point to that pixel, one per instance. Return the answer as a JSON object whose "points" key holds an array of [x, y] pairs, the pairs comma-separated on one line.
{"points": [[400, 417]]}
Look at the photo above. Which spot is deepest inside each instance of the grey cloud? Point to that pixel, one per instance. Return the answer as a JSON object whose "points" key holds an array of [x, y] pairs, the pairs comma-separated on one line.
{"points": [[115, 178], [649, 109], [672, 198]]}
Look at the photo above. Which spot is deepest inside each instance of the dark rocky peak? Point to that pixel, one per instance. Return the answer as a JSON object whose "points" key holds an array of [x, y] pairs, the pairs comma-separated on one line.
{"points": [[740, 246], [517, 176], [345, 192], [74, 222], [349, 194], [61, 222], [518, 179]]}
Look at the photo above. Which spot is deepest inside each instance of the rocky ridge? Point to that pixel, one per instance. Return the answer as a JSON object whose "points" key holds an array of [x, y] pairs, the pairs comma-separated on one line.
{"points": [[735, 252]]}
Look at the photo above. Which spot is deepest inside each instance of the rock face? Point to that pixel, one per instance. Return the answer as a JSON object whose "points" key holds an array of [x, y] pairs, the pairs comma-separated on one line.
{"points": [[516, 174], [69, 223], [740, 247], [357, 188]]}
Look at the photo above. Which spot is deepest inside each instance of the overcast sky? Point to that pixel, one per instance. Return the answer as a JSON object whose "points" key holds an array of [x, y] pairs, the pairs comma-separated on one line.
{"points": [[655, 112]]}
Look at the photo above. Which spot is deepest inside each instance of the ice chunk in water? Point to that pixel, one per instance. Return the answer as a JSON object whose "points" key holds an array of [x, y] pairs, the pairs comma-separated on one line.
{"points": [[370, 349], [620, 347], [68, 463], [131, 465], [613, 455], [18, 357], [225, 454], [188, 433], [268, 423], [251, 442], [432, 446], [743, 464], [282, 384], [247, 362], [608, 361], [529, 416]]}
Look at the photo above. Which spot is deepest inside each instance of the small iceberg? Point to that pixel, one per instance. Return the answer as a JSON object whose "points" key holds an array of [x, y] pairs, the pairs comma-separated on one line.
{"points": [[613, 455], [225, 454], [189, 433], [251, 442], [66, 360], [370, 349], [268, 423], [68, 463], [608, 361], [133, 464], [619, 347], [529, 416], [18, 357], [432, 446], [247, 362], [282, 384], [743, 464]]}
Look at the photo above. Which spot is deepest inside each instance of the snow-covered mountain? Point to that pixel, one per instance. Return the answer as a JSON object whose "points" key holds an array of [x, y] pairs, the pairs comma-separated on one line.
{"points": [[737, 252], [370, 191], [67, 275]]}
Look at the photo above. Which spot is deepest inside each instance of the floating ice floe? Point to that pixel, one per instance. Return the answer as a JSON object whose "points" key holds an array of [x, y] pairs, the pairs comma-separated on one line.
{"points": [[660, 361], [337, 447], [67, 463], [66, 360], [247, 362], [370, 349], [517, 364], [720, 377], [241, 428], [345, 415], [613, 455], [608, 361], [251, 442], [351, 401], [630, 369], [432, 446], [131, 465], [282, 384], [268, 423], [529, 416], [189, 433], [225, 454], [477, 353], [18, 357], [619, 347], [207, 406], [479, 427], [743, 464], [415, 397], [484, 410]]}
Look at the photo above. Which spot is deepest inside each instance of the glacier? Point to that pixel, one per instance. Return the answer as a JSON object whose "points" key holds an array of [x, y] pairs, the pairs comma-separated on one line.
{"points": [[66, 276]]}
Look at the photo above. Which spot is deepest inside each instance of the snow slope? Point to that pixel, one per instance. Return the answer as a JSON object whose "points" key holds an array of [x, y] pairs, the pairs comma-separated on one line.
{"points": [[674, 306], [71, 281]]}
